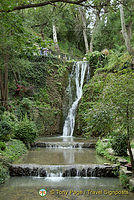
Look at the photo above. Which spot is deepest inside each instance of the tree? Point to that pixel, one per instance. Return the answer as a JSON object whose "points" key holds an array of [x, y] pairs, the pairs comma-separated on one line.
{"points": [[126, 35], [10, 33], [118, 94], [83, 18]]}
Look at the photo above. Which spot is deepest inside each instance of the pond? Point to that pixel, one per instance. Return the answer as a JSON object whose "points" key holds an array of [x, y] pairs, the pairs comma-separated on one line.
{"points": [[58, 187]]}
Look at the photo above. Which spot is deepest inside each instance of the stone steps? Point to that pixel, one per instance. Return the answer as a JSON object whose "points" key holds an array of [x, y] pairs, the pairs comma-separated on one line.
{"points": [[78, 170], [64, 144]]}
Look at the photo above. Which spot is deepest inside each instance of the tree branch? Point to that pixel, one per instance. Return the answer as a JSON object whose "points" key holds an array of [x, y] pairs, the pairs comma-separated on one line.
{"points": [[51, 2]]}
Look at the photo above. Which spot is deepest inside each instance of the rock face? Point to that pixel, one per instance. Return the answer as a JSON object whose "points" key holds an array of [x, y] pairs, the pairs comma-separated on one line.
{"points": [[26, 170], [99, 171], [64, 171]]}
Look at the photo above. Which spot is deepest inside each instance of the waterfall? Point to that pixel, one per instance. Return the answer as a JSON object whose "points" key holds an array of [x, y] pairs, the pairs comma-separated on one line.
{"points": [[80, 70]]}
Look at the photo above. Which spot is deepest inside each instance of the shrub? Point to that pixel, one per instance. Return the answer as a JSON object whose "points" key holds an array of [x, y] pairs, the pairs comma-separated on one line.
{"points": [[119, 144], [14, 149], [5, 130], [25, 131], [2, 146], [101, 149], [124, 180], [97, 59], [3, 173]]}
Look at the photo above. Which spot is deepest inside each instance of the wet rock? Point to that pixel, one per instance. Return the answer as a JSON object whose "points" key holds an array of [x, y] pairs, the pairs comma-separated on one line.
{"points": [[89, 172], [16, 171], [40, 144], [83, 173], [27, 172], [34, 172], [42, 173], [125, 171], [88, 145], [122, 161], [73, 172], [66, 173], [77, 146]]}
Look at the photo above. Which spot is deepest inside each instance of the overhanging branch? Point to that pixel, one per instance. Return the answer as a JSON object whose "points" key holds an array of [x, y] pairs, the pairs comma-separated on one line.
{"points": [[51, 2]]}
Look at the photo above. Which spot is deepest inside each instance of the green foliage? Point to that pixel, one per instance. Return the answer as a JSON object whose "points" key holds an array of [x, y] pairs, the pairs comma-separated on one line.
{"points": [[25, 108], [99, 120], [5, 130], [14, 149], [124, 180], [26, 104], [107, 34], [119, 144], [118, 61], [115, 62], [3, 173], [101, 149], [25, 131], [96, 59], [2, 146], [118, 94]]}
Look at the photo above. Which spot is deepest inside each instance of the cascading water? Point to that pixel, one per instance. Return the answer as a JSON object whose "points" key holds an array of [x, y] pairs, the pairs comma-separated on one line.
{"points": [[80, 70]]}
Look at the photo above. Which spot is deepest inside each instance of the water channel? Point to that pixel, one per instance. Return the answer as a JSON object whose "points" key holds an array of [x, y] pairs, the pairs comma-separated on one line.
{"points": [[58, 187], [59, 153]]}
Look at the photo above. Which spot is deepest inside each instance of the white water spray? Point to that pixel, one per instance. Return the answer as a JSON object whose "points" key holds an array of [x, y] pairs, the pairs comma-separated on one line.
{"points": [[80, 70]]}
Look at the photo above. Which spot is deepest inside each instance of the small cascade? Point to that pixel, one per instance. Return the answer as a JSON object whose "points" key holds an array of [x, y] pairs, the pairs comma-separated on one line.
{"points": [[78, 170], [80, 70], [65, 145]]}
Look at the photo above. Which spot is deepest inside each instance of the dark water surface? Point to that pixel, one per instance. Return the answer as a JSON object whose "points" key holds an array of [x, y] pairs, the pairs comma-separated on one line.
{"points": [[61, 156], [27, 188]]}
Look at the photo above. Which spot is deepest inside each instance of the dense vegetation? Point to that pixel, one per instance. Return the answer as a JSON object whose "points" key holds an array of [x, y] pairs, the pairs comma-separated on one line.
{"points": [[39, 41]]}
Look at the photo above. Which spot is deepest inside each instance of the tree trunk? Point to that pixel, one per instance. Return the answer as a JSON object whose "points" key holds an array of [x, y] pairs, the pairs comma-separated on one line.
{"points": [[94, 30], [6, 79], [55, 38], [84, 30], [91, 43], [124, 31], [4, 82], [129, 29]]}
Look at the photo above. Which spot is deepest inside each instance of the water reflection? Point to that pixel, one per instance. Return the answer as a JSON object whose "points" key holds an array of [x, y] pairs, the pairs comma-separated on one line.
{"points": [[69, 157], [68, 139], [61, 156], [26, 188]]}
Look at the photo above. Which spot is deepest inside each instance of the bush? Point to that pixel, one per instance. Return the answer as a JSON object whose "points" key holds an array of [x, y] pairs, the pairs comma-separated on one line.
{"points": [[101, 149], [5, 130], [3, 173], [25, 131], [25, 108], [119, 144], [2, 146], [14, 149], [97, 59], [124, 180]]}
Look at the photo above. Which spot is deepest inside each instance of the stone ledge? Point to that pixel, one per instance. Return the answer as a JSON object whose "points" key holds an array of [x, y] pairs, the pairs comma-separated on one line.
{"points": [[125, 171], [64, 144], [64, 170]]}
